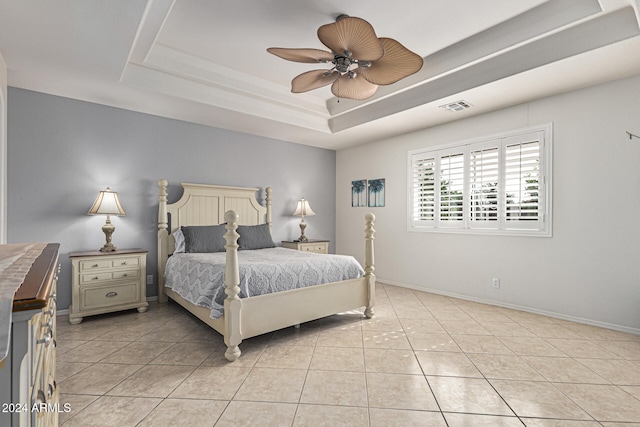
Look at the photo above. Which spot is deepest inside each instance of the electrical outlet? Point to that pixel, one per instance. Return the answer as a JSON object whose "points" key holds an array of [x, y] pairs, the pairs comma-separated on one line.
{"points": [[495, 282], [150, 279]]}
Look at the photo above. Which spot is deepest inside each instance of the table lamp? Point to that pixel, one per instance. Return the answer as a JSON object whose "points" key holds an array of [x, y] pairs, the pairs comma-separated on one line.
{"points": [[303, 209], [107, 204]]}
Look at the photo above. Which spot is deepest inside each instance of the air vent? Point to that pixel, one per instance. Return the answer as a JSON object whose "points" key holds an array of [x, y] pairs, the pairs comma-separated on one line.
{"points": [[456, 106]]}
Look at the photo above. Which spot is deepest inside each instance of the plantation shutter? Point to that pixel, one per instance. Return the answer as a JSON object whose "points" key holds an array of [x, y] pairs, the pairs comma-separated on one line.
{"points": [[451, 190], [484, 186], [523, 179], [423, 188], [498, 185]]}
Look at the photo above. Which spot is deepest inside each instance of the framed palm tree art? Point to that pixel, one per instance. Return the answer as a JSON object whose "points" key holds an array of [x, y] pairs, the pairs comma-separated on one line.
{"points": [[376, 192], [359, 193]]}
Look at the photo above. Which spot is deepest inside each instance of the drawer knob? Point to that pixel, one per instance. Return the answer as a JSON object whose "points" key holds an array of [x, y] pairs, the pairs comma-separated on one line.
{"points": [[125, 275], [95, 266], [111, 294], [46, 340], [49, 324], [95, 278], [123, 263], [41, 398]]}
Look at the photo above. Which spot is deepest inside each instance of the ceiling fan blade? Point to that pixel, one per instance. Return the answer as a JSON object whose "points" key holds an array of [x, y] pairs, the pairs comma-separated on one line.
{"points": [[353, 88], [397, 63], [354, 35], [302, 55], [312, 80]]}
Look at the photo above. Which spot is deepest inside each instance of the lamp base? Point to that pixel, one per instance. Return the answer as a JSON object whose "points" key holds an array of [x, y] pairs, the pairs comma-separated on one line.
{"points": [[302, 237], [108, 247], [108, 230]]}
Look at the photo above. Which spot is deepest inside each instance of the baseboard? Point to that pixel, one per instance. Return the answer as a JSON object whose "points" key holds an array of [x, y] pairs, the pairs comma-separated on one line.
{"points": [[560, 316]]}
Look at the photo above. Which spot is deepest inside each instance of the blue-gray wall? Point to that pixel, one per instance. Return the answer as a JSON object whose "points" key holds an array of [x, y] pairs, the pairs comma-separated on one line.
{"points": [[61, 152]]}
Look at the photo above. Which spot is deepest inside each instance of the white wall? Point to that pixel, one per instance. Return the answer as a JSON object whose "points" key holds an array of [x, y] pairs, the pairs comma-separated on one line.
{"points": [[589, 270]]}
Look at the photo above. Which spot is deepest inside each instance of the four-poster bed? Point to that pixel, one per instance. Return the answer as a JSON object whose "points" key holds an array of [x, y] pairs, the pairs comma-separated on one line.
{"points": [[209, 205]]}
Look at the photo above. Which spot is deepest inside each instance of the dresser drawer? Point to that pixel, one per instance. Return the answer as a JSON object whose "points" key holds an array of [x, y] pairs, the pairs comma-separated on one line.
{"points": [[107, 296]]}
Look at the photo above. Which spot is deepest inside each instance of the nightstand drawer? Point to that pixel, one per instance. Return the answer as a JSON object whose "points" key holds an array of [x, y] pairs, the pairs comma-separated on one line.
{"points": [[94, 265], [315, 246], [107, 296], [126, 262], [126, 274], [106, 276], [95, 277], [320, 249]]}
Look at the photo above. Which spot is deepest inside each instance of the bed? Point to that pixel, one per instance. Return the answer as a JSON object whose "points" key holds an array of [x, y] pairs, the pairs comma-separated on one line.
{"points": [[242, 318]]}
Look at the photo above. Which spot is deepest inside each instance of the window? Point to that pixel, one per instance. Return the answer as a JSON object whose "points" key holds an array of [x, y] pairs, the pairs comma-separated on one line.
{"points": [[496, 185]]}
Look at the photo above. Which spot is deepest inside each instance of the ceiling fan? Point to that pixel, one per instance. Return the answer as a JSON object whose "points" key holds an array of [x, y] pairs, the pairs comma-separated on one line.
{"points": [[361, 61]]}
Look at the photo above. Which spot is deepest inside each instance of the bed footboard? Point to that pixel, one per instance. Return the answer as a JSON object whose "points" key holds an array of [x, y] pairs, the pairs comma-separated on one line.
{"points": [[277, 306]]}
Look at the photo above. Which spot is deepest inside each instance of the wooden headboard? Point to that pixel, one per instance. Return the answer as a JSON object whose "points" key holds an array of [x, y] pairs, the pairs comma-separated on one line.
{"points": [[203, 204]]}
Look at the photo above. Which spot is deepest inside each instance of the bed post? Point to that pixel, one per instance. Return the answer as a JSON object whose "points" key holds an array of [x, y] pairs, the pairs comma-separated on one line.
{"points": [[163, 235], [369, 268], [232, 303], [268, 205]]}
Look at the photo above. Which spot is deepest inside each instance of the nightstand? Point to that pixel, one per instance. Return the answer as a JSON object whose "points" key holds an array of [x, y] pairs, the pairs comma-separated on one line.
{"points": [[103, 282], [317, 246]]}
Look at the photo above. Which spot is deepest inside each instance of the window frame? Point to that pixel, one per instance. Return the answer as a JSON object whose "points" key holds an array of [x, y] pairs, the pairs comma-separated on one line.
{"points": [[503, 224]]}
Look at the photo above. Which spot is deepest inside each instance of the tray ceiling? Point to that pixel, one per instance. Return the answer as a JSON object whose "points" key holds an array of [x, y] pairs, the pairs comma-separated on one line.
{"points": [[206, 62]]}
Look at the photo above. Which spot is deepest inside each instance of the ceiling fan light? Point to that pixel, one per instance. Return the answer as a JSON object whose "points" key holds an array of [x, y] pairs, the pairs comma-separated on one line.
{"points": [[353, 88]]}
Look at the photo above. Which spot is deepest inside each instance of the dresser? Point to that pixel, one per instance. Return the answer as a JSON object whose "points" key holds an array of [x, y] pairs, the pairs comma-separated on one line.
{"points": [[103, 282], [317, 246], [29, 393]]}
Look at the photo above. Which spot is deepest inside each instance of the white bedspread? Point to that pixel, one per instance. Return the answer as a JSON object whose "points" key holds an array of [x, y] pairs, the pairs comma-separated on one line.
{"points": [[199, 278]]}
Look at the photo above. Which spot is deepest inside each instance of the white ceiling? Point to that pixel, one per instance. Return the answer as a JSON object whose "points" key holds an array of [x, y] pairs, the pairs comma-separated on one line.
{"points": [[205, 61]]}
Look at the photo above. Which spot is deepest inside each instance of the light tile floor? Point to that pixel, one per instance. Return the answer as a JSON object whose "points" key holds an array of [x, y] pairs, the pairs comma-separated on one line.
{"points": [[424, 360]]}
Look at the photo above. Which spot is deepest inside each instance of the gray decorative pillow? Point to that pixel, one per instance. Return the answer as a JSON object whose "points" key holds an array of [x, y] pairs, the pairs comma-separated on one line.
{"points": [[255, 237], [204, 238]]}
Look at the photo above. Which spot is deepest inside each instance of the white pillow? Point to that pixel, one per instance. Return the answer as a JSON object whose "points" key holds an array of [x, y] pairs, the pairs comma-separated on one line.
{"points": [[180, 248]]}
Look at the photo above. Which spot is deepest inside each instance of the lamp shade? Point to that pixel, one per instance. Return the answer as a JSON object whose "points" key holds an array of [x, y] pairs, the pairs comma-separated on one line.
{"points": [[107, 203], [303, 209]]}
